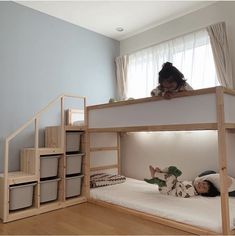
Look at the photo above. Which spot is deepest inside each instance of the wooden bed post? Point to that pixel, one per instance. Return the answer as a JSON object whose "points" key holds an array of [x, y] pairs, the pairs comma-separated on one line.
{"points": [[222, 160], [87, 163], [6, 187], [119, 152], [62, 160], [62, 126], [36, 146]]}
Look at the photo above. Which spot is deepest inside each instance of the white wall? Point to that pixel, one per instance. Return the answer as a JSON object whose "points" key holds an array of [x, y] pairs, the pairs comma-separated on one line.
{"points": [[217, 12], [42, 57], [193, 152]]}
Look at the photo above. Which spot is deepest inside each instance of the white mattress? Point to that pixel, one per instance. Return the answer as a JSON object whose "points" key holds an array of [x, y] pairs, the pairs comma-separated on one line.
{"points": [[139, 195]]}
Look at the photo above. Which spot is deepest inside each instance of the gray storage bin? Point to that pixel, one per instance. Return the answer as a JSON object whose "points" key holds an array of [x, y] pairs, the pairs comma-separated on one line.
{"points": [[21, 196], [73, 186], [74, 164], [49, 166], [73, 141], [49, 190]]}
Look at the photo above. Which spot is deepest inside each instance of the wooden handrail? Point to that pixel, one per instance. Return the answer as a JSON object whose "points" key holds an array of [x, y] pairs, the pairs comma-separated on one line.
{"points": [[10, 137], [37, 115], [73, 96]]}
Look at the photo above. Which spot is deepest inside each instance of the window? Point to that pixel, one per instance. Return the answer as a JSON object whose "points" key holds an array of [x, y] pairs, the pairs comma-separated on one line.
{"points": [[191, 54]]}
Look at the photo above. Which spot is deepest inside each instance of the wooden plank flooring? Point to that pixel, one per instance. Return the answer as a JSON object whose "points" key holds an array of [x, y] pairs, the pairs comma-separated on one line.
{"points": [[86, 219]]}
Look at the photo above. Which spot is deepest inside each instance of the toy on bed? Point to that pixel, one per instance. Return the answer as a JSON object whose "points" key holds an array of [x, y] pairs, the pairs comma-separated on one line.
{"points": [[104, 179]]}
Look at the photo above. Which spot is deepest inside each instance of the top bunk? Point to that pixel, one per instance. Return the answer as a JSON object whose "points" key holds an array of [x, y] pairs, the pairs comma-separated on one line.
{"points": [[204, 109]]}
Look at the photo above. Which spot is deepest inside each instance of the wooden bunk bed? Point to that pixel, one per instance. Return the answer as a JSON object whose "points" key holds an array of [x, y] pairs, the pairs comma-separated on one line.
{"points": [[206, 109]]}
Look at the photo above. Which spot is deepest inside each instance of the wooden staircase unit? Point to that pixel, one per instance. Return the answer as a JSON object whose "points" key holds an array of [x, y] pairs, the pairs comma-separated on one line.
{"points": [[30, 166]]}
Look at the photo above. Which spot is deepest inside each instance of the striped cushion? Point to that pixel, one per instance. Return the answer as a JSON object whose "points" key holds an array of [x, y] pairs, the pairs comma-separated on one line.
{"points": [[103, 179]]}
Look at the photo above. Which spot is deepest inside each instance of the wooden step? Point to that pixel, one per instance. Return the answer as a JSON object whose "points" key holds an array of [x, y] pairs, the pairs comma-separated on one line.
{"points": [[75, 128], [18, 177], [47, 151], [30, 163]]}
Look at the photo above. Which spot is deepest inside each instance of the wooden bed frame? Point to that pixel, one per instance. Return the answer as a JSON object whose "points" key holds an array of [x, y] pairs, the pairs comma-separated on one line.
{"points": [[207, 109]]}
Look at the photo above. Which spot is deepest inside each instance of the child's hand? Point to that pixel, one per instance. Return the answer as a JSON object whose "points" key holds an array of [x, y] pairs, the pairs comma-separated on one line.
{"points": [[168, 95]]}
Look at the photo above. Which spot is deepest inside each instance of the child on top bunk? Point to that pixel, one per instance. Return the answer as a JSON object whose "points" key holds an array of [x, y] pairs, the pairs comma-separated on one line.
{"points": [[171, 81], [169, 184]]}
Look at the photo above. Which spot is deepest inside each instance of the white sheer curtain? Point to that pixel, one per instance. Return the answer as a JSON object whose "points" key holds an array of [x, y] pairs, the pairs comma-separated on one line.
{"points": [[121, 76], [190, 53]]}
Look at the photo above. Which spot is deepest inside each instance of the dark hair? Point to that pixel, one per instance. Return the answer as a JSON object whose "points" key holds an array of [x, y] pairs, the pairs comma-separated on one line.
{"points": [[212, 192], [168, 71]]}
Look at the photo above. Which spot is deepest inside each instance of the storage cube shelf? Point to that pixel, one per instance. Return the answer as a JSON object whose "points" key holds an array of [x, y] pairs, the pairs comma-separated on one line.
{"points": [[49, 166], [21, 196], [49, 190], [73, 141], [74, 163], [73, 186], [70, 165], [40, 183]]}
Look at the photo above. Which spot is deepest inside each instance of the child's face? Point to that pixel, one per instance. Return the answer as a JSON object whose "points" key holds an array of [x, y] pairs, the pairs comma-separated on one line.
{"points": [[202, 187], [169, 85]]}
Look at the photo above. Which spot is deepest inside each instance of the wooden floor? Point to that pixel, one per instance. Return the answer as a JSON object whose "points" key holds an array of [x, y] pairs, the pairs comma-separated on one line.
{"points": [[86, 219]]}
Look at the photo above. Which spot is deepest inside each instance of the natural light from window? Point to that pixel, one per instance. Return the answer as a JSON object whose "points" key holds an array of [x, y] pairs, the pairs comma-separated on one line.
{"points": [[191, 54]]}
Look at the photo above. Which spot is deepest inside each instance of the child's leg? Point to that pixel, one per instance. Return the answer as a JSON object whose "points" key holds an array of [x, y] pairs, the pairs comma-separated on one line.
{"points": [[169, 188], [158, 169], [152, 171]]}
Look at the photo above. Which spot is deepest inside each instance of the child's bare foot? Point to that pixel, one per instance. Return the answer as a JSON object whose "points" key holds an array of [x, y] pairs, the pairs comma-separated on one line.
{"points": [[152, 171], [158, 170]]}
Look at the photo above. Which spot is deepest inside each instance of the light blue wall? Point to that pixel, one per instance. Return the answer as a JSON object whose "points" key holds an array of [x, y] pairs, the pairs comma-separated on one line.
{"points": [[42, 57]]}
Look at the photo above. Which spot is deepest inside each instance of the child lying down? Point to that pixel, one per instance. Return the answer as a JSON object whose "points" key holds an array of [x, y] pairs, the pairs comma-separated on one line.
{"points": [[168, 183]]}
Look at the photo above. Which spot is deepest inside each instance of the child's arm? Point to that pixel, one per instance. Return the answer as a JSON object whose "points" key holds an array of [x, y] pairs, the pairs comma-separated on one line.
{"points": [[155, 173], [160, 178], [187, 87], [156, 92], [168, 95]]}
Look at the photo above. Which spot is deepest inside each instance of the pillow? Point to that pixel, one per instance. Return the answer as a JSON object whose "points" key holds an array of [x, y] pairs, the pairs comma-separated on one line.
{"points": [[215, 179], [103, 179]]}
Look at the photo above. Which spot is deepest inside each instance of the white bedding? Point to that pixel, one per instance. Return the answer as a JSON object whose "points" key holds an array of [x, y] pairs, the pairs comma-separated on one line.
{"points": [[139, 195]]}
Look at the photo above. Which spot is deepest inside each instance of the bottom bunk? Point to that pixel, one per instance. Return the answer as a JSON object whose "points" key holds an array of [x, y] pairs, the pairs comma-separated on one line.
{"points": [[140, 196]]}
